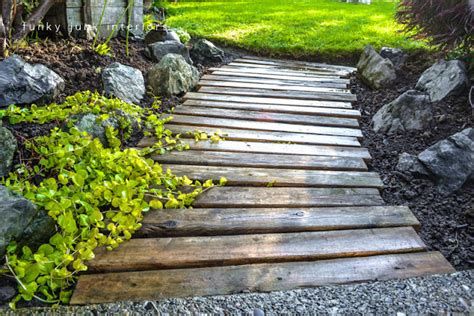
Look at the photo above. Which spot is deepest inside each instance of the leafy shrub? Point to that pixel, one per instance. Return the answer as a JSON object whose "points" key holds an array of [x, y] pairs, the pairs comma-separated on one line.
{"points": [[184, 36], [96, 195], [448, 24]]}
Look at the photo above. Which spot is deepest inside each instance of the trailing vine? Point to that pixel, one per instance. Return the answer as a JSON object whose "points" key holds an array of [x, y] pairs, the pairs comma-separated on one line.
{"points": [[96, 195]]}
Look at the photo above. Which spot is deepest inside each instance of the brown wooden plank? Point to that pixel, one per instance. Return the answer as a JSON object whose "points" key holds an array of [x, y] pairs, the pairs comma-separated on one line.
{"points": [[233, 73], [275, 71], [271, 61], [297, 83], [326, 96], [191, 252], [314, 120], [155, 285], [290, 109], [290, 69], [258, 197], [257, 136], [256, 160], [251, 85], [261, 100], [264, 126], [211, 222], [277, 178], [287, 149]]}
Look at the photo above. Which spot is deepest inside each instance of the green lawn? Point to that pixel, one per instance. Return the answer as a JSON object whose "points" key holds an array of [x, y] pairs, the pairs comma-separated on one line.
{"points": [[325, 29]]}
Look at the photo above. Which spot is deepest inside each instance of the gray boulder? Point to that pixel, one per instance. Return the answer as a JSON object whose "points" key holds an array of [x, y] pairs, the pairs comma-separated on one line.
{"points": [[172, 76], [22, 83], [161, 34], [375, 70], [22, 221], [124, 82], [159, 50], [205, 52], [396, 56], [443, 79], [90, 123], [410, 111], [8, 146], [451, 161], [410, 164]]}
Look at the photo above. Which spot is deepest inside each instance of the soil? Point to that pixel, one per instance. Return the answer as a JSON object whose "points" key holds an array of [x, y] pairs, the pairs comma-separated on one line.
{"points": [[447, 223]]}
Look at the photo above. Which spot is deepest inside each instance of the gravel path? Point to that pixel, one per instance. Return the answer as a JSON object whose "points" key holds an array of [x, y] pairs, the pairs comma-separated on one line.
{"points": [[436, 294]]}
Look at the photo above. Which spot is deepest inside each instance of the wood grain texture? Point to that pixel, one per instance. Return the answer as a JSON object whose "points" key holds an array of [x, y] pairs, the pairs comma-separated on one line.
{"points": [[272, 148], [278, 178], [259, 116], [289, 70], [155, 285], [325, 96], [281, 82], [233, 73], [256, 160], [298, 63], [289, 109], [265, 197], [238, 221], [266, 100], [269, 86], [258, 136], [264, 126], [181, 252]]}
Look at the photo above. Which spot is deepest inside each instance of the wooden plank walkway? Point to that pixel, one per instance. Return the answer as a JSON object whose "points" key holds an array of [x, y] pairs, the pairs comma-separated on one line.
{"points": [[300, 208]]}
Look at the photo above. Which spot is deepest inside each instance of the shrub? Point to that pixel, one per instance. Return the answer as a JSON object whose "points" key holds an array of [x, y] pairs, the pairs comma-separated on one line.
{"points": [[448, 24]]}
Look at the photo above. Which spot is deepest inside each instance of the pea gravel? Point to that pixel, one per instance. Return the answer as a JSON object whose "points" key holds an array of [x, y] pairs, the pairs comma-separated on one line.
{"points": [[442, 294]]}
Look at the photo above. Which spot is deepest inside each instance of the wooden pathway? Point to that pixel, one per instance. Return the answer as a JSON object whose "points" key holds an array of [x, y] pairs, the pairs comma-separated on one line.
{"points": [[300, 208]]}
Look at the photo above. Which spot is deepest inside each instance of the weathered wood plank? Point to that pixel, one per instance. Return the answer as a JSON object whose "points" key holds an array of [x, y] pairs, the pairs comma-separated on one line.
{"points": [[258, 197], [233, 73], [302, 119], [257, 160], [273, 71], [212, 222], [264, 126], [251, 85], [278, 178], [155, 285], [181, 252], [291, 69], [287, 149], [261, 100], [324, 96], [289, 109], [296, 83], [257, 136], [271, 61]]}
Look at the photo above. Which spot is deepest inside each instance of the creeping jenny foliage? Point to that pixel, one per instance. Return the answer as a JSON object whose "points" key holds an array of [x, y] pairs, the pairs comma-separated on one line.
{"points": [[96, 195]]}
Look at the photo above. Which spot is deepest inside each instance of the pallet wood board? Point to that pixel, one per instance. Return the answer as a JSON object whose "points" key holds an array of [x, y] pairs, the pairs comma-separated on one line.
{"points": [[239, 221], [257, 136], [289, 109], [282, 76], [155, 285], [180, 252], [286, 69], [266, 100], [190, 120], [324, 96], [257, 160], [275, 87], [259, 116], [264, 197], [277, 178], [271, 148], [271, 61], [281, 82]]}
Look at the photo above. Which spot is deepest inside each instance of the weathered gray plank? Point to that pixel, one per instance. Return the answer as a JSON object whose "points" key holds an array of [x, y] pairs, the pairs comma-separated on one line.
{"points": [[271, 61], [287, 68], [236, 74]]}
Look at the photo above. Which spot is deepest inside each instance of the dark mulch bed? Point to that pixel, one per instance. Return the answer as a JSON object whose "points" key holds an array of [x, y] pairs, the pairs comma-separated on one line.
{"points": [[447, 223]]}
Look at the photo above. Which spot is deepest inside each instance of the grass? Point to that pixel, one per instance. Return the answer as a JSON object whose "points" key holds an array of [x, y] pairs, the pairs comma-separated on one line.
{"points": [[325, 29]]}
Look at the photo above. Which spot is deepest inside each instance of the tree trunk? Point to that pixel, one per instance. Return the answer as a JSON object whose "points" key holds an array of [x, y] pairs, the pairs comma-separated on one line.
{"points": [[33, 19]]}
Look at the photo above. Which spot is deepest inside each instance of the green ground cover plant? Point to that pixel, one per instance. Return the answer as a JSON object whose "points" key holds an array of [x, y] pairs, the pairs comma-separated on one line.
{"points": [[321, 28]]}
